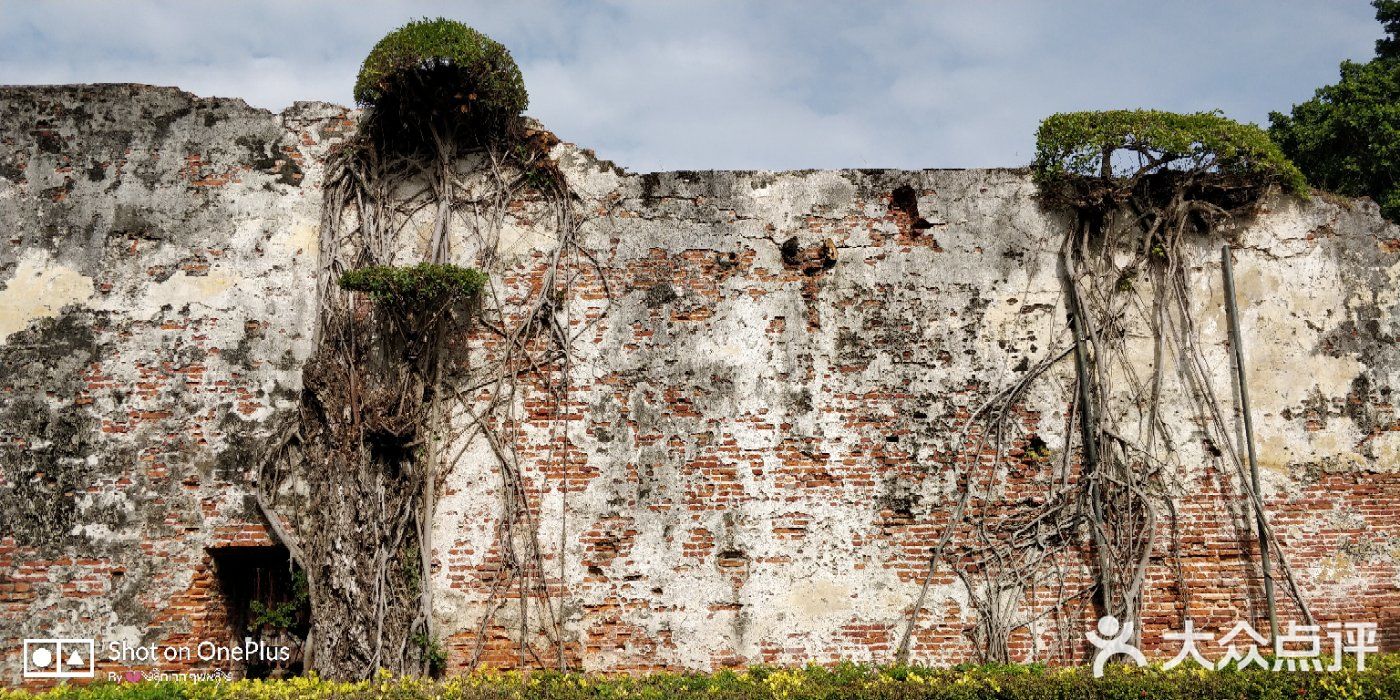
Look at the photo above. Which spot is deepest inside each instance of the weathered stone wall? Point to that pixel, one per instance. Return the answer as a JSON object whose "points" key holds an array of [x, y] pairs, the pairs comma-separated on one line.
{"points": [[159, 269], [756, 452]]}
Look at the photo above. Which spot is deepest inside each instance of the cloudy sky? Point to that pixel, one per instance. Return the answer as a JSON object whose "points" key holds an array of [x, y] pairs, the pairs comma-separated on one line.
{"points": [[775, 85]]}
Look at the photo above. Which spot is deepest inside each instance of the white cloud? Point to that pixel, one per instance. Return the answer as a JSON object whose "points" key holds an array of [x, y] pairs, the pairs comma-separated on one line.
{"points": [[743, 85]]}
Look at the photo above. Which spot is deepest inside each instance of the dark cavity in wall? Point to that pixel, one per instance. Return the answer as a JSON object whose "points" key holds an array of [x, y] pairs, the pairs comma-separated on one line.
{"points": [[812, 259], [264, 599], [661, 295], [904, 201]]}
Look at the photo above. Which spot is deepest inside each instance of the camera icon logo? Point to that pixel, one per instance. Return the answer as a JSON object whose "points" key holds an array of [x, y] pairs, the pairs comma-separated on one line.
{"points": [[59, 658]]}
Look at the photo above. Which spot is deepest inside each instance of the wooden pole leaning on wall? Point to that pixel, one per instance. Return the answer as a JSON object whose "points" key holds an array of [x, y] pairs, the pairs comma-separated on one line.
{"points": [[1231, 312]]}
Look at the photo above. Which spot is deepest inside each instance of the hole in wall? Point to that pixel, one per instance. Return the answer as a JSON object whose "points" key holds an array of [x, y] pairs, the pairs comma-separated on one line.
{"points": [[906, 201], [266, 609]]}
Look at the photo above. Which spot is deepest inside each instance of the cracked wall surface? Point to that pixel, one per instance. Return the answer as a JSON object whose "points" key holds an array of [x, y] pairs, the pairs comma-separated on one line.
{"points": [[756, 450], [159, 269]]}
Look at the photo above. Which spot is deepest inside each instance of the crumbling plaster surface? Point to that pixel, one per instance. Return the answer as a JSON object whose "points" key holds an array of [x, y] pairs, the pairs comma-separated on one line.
{"points": [[765, 452], [158, 267], [759, 448]]}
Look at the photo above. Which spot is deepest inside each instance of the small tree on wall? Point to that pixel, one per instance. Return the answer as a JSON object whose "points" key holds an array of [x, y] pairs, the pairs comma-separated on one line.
{"points": [[1139, 186], [380, 423]]}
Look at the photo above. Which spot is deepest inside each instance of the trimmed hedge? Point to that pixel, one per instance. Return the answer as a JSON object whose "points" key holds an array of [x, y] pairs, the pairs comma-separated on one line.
{"points": [[441, 68], [424, 284], [1380, 681]]}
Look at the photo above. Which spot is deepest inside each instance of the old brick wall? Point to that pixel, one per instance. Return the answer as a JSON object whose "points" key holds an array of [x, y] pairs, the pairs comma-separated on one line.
{"points": [[756, 449], [158, 261], [756, 454]]}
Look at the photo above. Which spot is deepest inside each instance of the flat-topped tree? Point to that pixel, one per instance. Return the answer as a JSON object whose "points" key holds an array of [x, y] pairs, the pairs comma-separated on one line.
{"points": [[440, 78], [1099, 158], [425, 285], [418, 298]]}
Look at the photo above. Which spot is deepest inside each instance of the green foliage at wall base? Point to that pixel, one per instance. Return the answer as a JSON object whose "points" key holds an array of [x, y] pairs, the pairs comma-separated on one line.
{"points": [[1380, 681]]}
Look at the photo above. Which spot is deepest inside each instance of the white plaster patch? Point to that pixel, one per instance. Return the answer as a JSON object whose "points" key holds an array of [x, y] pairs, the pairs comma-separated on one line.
{"points": [[1386, 447], [818, 598], [301, 238], [209, 290], [39, 289]]}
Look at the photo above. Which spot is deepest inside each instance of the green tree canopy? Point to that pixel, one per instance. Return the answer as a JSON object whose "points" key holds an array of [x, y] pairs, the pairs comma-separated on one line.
{"points": [[1388, 12], [1126, 144], [1346, 139]]}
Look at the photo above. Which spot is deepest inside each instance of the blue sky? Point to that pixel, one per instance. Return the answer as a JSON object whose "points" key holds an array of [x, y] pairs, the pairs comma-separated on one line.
{"points": [[773, 85]]}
